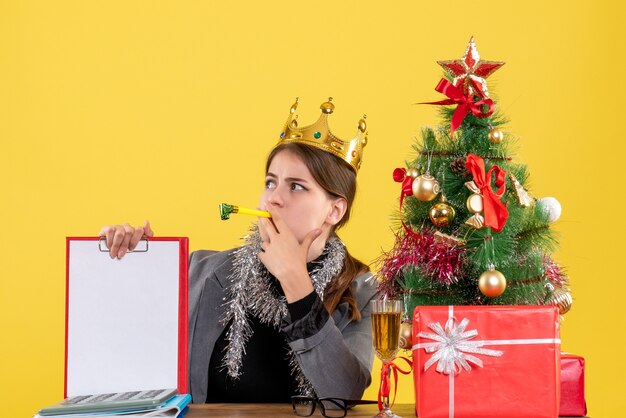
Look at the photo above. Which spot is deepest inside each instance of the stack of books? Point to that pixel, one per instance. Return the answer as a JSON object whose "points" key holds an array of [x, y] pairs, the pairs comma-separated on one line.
{"points": [[148, 403]]}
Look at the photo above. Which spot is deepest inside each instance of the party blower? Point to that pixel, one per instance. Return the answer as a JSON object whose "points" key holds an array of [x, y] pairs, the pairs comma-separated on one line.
{"points": [[226, 210]]}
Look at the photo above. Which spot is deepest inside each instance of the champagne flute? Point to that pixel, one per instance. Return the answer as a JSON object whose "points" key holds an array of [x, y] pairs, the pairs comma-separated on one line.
{"points": [[386, 316]]}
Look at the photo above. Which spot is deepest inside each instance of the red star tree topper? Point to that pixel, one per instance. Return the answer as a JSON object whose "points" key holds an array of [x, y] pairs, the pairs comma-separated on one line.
{"points": [[470, 71]]}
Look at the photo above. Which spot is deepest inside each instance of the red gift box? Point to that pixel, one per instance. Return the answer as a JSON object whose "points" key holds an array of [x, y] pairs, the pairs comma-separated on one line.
{"points": [[486, 361], [572, 386]]}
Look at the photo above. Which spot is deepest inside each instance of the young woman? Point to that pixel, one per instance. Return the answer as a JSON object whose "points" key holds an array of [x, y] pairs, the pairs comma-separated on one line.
{"points": [[288, 312]]}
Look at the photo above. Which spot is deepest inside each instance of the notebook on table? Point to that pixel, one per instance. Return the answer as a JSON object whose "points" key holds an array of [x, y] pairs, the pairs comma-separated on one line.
{"points": [[110, 402]]}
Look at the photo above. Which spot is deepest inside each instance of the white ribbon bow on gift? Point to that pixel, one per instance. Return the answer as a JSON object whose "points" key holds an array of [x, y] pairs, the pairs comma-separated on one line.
{"points": [[452, 347]]}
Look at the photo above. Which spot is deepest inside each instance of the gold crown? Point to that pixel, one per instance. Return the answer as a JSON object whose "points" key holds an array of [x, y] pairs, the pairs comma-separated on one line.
{"points": [[318, 135]]}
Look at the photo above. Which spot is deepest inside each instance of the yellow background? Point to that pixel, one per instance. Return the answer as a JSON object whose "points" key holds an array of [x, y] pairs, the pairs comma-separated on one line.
{"points": [[122, 111]]}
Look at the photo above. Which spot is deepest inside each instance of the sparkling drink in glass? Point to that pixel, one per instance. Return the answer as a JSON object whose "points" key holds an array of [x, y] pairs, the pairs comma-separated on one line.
{"points": [[386, 318]]}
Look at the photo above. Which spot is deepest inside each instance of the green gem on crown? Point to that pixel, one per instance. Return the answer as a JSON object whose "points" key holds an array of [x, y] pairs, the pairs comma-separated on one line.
{"points": [[317, 135]]}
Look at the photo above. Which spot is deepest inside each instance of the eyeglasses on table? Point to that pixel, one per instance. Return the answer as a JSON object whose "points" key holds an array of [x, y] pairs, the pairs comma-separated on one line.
{"points": [[304, 406]]}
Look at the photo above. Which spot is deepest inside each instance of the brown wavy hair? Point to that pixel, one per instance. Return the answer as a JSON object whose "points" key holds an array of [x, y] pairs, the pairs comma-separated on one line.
{"points": [[338, 179]]}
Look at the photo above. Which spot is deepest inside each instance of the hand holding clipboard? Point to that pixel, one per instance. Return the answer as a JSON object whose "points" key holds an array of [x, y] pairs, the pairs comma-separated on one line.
{"points": [[121, 239]]}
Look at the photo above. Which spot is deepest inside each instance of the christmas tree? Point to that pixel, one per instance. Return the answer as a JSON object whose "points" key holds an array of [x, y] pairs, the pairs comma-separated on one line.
{"points": [[470, 233]]}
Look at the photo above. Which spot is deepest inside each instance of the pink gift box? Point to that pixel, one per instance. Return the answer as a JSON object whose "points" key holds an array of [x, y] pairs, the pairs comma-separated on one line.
{"points": [[572, 386]]}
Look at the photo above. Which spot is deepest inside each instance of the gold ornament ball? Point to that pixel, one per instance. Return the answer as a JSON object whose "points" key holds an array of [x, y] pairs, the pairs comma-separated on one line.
{"points": [[406, 336], [441, 214], [425, 187], [492, 283], [413, 172], [562, 299], [495, 136]]}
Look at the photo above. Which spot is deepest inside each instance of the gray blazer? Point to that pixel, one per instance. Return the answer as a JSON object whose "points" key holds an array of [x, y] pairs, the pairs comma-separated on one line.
{"points": [[337, 360]]}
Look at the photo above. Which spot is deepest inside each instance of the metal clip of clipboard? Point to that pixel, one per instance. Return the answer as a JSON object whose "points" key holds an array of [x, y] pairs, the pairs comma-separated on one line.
{"points": [[143, 249]]}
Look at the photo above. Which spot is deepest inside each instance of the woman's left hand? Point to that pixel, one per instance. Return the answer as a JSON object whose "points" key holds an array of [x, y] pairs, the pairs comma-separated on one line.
{"points": [[285, 257]]}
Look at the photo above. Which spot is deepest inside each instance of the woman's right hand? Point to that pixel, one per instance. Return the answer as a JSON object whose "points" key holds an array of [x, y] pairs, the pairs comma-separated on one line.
{"points": [[123, 238]]}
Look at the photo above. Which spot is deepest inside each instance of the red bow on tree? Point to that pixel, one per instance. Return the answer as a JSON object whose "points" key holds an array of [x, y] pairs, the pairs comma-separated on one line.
{"points": [[465, 104], [495, 211], [400, 176]]}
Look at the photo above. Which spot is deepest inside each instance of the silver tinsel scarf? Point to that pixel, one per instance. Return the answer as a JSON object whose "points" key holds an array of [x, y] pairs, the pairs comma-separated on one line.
{"points": [[251, 292]]}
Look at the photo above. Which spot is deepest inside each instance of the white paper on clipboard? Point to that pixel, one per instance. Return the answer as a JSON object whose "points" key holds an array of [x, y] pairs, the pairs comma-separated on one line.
{"points": [[126, 320]]}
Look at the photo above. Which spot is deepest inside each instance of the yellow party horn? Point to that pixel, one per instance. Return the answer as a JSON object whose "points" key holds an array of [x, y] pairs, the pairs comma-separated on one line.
{"points": [[226, 210]]}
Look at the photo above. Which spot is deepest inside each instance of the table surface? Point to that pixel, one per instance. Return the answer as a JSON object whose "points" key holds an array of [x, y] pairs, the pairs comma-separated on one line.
{"points": [[281, 410]]}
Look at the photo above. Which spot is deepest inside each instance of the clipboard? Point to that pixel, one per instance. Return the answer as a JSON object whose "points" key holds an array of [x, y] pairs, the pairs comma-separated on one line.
{"points": [[125, 320]]}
